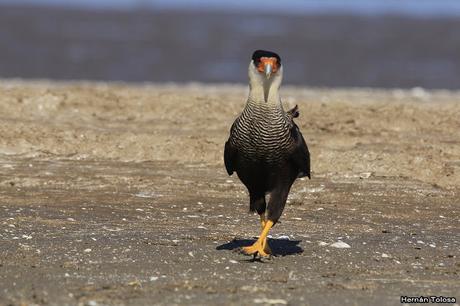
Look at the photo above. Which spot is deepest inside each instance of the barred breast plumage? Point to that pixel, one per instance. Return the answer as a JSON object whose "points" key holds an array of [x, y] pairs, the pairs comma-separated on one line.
{"points": [[262, 133]]}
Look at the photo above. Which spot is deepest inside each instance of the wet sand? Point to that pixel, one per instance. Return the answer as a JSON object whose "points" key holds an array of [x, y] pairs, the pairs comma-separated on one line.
{"points": [[116, 194]]}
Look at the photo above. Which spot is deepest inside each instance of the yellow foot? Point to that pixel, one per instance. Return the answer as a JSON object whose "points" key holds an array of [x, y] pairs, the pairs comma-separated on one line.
{"points": [[261, 248], [261, 245]]}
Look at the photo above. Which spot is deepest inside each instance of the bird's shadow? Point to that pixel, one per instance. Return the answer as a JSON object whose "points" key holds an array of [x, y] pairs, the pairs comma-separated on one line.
{"points": [[279, 247]]}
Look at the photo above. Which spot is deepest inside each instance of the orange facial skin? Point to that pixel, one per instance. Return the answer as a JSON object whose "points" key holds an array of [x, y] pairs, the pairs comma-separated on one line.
{"points": [[268, 60]]}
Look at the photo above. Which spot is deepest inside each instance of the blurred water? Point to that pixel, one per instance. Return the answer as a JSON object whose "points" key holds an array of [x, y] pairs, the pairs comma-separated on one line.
{"points": [[187, 44], [426, 8]]}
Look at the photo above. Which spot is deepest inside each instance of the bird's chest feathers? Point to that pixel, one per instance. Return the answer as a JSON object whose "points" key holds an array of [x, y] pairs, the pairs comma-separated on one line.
{"points": [[267, 133]]}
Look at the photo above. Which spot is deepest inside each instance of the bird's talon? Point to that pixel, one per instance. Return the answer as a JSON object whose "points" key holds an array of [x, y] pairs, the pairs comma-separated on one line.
{"points": [[257, 248]]}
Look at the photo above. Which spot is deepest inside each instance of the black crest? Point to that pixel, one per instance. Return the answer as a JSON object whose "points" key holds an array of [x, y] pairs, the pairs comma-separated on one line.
{"points": [[263, 53]]}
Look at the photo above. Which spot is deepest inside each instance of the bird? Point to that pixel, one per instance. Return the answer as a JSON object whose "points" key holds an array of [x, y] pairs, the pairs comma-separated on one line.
{"points": [[265, 147]]}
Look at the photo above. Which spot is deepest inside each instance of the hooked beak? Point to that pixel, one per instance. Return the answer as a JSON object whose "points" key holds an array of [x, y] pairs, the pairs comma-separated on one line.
{"points": [[268, 70]]}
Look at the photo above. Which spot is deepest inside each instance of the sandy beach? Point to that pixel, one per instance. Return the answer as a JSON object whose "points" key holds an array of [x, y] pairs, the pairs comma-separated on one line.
{"points": [[116, 194]]}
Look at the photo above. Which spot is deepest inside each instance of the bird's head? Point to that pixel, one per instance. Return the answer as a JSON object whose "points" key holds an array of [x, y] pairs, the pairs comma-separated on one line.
{"points": [[265, 72]]}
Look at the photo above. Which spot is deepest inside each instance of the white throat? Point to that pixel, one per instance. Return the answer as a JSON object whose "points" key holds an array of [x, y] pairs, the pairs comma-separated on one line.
{"points": [[263, 89]]}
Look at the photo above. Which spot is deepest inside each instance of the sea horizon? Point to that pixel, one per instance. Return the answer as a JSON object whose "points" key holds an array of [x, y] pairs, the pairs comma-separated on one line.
{"points": [[64, 42], [414, 8]]}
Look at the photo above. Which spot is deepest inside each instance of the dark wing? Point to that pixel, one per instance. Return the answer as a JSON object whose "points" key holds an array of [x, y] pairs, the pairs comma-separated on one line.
{"points": [[294, 112], [229, 157], [300, 155], [230, 152]]}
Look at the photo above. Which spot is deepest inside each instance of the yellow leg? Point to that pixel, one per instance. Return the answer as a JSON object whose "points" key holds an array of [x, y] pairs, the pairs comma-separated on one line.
{"points": [[265, 242], [261, 245], [262, 220]]}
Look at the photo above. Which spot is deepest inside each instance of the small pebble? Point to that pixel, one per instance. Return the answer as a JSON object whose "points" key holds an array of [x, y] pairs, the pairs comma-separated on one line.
{"points": [[266, 301], [340, 245]]}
